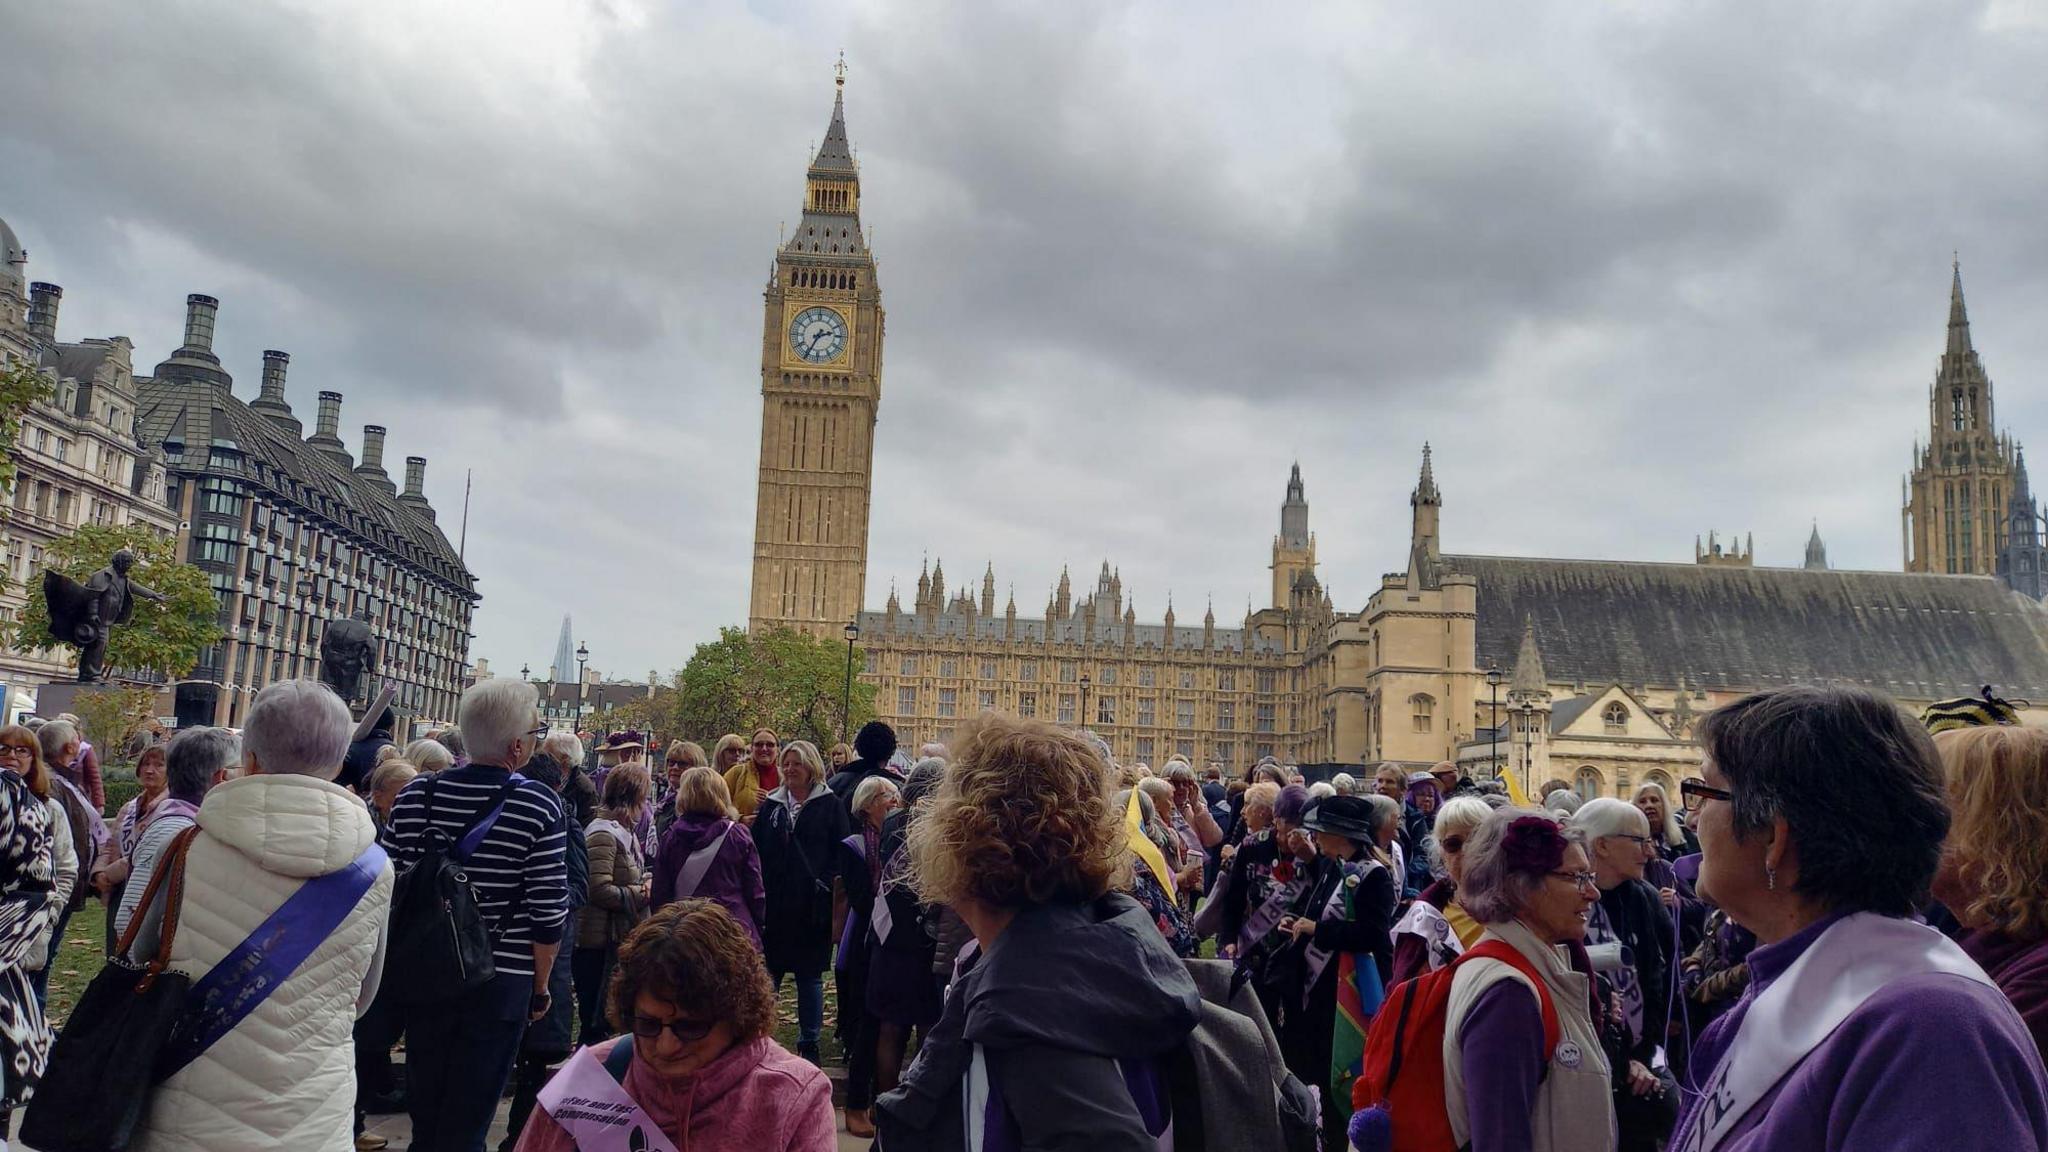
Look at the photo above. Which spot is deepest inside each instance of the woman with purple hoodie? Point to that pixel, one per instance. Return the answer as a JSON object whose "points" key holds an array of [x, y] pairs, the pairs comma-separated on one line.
{"points": [[709, 855]]}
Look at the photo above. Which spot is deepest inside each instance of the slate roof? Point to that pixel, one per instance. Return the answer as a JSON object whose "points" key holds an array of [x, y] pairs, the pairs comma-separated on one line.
{"points": [[199, 415], [1735, 629]]}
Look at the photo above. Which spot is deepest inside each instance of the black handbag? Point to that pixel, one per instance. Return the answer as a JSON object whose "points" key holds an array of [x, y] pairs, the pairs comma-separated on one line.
{"points": [[92, 1095]]}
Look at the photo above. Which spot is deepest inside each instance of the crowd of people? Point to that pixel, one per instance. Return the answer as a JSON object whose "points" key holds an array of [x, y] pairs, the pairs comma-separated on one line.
{"points": [[1836, 937]]}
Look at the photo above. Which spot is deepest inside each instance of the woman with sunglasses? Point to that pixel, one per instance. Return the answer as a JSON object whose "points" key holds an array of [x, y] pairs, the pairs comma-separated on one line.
{"points": [[1821, 817], [1637, 982], [1436, 927], [1528, 879], [695, 1057]]}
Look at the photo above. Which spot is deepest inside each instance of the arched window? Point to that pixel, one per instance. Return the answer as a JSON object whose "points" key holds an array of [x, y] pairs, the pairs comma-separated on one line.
{"points": [[1616, 716], [1423, 707], [1588, 783], [1663, 781]]}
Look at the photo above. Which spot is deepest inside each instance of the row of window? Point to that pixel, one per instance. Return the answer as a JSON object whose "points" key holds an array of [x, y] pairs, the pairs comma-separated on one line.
{"points": [[1069, 672], [1105, 708]]}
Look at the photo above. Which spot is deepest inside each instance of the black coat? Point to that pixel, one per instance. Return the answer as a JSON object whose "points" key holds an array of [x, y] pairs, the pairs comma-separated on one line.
{"points": [[799, 854], [1641, 921], [361, 761]]}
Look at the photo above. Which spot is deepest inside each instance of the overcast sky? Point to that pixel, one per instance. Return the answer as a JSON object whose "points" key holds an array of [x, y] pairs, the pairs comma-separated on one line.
{"points": [[1636, 270]]}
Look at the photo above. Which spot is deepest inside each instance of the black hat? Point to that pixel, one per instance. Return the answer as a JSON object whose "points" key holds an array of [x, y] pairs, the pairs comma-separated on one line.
{"points": [[1347, 816]]}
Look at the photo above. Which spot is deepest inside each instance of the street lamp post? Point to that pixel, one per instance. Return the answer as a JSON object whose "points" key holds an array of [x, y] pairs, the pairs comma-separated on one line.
{"points": [[1084, 700], [846, 697], [582, 682], [1528, 711], [1493, 681]]}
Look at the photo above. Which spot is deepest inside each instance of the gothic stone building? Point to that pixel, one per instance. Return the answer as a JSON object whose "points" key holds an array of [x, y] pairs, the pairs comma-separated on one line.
{"points": [[1588, 671], [78, 460]]}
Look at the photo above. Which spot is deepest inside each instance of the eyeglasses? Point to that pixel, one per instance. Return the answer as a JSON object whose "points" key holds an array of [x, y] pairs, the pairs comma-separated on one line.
{"points": [[1643, 841], [1452, 844], [11, 749], [1580, 880], [685, 1031], [1698, 792], [539, 732], [679, 764]]}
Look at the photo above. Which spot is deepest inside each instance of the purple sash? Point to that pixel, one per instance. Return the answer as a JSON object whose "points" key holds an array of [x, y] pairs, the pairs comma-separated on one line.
{"points": [[256, 967], [855, 931], [475, 838]]}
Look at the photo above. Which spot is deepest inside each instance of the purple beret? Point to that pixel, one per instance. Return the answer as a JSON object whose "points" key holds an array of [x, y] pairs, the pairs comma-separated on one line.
{"points": [[1292, 803]]}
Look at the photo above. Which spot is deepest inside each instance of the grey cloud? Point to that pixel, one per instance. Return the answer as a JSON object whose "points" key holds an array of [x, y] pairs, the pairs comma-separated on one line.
{"points": [[1636, 273]]}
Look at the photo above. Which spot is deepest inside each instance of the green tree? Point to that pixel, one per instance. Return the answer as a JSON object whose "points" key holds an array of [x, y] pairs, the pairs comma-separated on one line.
{"points": [[166, 638], [778, 678], [113, 714], [21, 385]]}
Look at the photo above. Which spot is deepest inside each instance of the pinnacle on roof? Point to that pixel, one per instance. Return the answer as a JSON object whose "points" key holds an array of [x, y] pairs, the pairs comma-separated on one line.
{"points": [[1816, 551], [1958, 316], [1528, 678], [1425, 487], [1294, 489], [834, 155]]}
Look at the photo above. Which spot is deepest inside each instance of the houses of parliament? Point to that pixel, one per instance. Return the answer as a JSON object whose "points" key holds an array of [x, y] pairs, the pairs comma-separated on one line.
{"points": [[1587, 671]]}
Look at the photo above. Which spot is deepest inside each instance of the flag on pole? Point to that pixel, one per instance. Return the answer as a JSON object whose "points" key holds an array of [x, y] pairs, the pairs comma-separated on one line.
{"points": [[1134, 833], [1359, 996]]}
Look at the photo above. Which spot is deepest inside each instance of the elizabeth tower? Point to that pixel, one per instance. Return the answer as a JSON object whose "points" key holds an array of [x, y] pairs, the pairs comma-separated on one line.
{"points": [[821, 383]]}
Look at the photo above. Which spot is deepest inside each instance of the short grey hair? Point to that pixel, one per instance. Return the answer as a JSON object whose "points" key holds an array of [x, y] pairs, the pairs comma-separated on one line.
{"points": [[1320, 789], [1563, 801], [494, 713], [1264, 794], [564, 747], [298, 728], [1608, 816], [1459, 816], [1345, 783], [1180, 770], [1385, 809], [451, 738], [429, 755], [1159, 790], [1495, 892], [869, 790], [195, 756], [54, 736]]}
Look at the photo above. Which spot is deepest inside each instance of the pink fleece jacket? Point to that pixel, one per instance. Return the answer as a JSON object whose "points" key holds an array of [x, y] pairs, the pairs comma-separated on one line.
{"points": [[756, 1097]]}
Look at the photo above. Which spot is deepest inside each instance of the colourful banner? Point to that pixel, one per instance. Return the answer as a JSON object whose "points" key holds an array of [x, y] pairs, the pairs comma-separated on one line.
{"points": [[1359, 996]]}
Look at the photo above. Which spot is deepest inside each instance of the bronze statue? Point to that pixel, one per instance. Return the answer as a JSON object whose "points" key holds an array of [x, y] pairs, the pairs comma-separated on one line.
{"points": [[347, 650], [86, 614]]}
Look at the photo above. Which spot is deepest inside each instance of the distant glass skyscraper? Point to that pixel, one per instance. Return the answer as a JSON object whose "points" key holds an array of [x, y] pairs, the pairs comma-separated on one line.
{"points": [[565, 654]]}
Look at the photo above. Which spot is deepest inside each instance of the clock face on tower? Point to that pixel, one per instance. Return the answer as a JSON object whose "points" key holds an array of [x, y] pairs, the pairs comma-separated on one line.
{"points": [[817, 335]]}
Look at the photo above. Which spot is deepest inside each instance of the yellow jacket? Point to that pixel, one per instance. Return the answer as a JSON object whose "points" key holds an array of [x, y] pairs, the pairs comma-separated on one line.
{"points": [[745, 785]]}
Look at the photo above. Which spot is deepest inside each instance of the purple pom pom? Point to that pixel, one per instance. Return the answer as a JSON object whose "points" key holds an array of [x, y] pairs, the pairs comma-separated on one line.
{"points": [[1372, 1130]]}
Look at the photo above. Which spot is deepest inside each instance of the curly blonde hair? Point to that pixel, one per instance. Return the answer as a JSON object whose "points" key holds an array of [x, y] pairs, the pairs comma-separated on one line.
{"points": [[1998, 835], [1022, 816]]}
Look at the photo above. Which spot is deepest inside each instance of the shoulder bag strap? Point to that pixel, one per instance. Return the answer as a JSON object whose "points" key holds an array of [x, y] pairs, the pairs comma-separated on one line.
{"points": [[172, 872], [1508, 954]]}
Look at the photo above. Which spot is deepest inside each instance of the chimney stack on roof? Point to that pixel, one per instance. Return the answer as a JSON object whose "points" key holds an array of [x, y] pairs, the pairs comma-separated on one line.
{"points": [[274, 365], [327, 429], [372, 467], [415, 495], [42, 311], [199, 314]]}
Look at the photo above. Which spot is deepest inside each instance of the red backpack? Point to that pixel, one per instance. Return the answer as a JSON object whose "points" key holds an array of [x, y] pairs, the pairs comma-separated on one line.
{"points": [[1400, 1094]]}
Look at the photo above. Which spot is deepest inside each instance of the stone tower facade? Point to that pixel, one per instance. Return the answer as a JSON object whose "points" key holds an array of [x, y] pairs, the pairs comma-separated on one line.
{"points": [[821, 384], [1294, 549], [1956, 499]]}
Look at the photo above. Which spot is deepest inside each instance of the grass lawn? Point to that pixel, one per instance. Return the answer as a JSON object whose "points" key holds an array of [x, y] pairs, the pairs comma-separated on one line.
{"points": [[80, 959]]}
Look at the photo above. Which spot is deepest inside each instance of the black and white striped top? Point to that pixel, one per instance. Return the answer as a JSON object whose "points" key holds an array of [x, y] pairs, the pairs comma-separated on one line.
{"points": [[519, 871]]}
